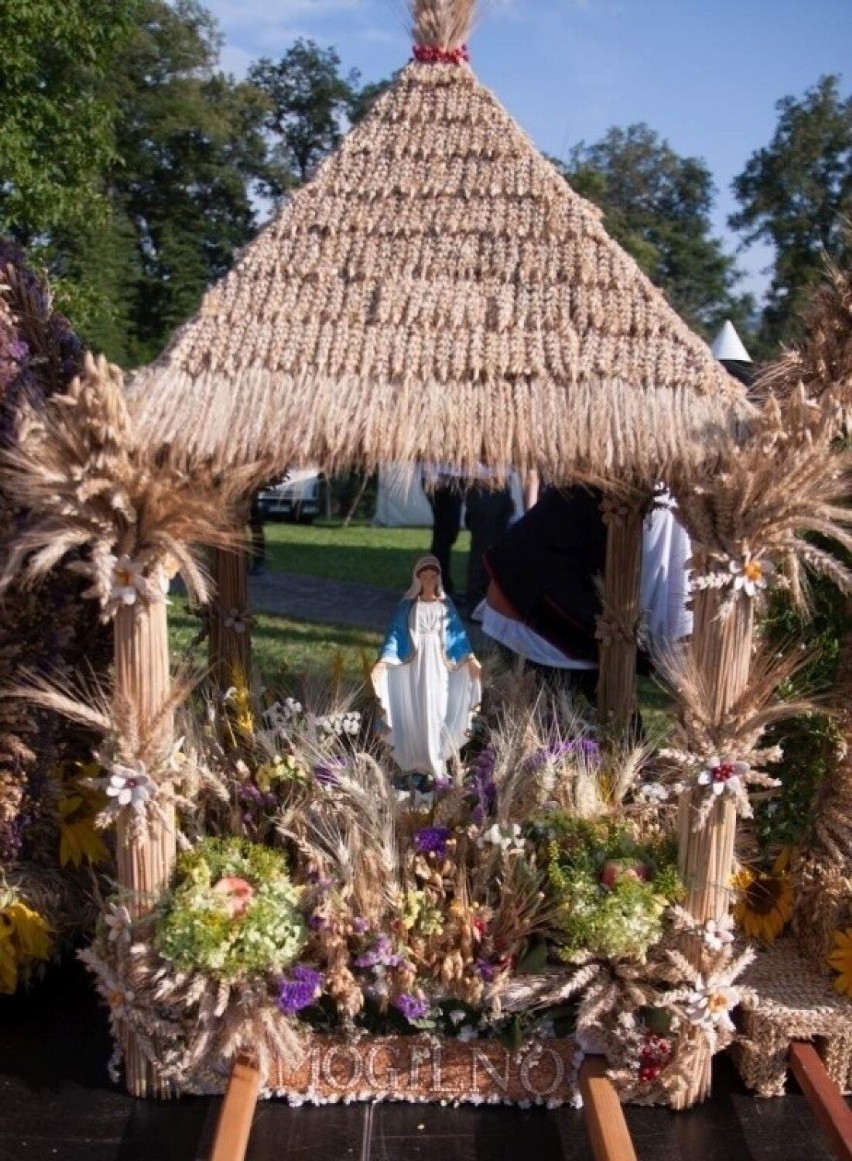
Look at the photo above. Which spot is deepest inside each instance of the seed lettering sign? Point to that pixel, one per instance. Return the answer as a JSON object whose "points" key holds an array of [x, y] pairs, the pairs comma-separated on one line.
{"points": [[424, 1068]]}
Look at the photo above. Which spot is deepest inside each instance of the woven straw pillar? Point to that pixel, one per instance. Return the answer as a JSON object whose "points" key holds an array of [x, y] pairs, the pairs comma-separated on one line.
{"points": [[230, 642], [144, 865], [621, 610], [722, 649]]}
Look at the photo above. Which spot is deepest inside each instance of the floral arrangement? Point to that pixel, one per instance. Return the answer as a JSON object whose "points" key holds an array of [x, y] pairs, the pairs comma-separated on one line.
{"points": [[615, 889], [233, 910], [43, 821]]}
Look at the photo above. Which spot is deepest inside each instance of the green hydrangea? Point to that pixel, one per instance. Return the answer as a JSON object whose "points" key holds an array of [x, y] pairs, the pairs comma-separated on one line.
{"points": [[233, 911], [611, 891]]}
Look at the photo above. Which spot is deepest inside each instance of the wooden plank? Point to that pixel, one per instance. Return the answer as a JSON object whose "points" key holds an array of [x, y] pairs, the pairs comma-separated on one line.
{"points": [[824, 1097], [604, 1114], [235, 1118]]}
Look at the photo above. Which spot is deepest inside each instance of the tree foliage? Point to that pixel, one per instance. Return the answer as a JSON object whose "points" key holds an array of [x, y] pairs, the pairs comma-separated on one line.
{"points": [[56, 118], [795, 193], [657, 205], [309, 107], [190, 147]]}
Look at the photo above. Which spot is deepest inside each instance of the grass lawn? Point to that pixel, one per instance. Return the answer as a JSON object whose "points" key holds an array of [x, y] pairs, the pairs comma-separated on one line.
{"points": [[365, 553], [286, 649], [362, 552]]}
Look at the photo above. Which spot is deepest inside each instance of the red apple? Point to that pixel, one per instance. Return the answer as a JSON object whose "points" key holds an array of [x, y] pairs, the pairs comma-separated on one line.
{"points": [[616, 870]]}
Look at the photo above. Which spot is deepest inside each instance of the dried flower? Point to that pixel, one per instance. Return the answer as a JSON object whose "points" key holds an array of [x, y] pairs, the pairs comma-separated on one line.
{"points": [[432, 840], [413, 1007], [299, 989], [508, 838], [709, 1005], [118, 922], [718, 933], [723, 775], [238, 620], [130, 785], [751, 574]]}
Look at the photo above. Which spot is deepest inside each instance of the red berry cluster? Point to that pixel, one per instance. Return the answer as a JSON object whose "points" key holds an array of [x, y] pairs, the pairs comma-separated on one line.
{"points": [[434, 54], [723, 772], [655, 1055]]}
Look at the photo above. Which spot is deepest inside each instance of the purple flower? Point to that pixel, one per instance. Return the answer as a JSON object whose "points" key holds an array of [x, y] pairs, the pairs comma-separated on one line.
{"points": [[487, 970], [480, 784], [413, 1007], [360, 925], [328, 773], [379, 955], [432, 840], [300, 989]]}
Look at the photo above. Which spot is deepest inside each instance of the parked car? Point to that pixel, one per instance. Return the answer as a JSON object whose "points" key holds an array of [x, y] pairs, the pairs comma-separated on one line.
{"points": [[297, 497]]}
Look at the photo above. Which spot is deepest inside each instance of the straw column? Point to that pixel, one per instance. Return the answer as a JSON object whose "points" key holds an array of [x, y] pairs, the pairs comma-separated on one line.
{"points": [[230, 632], [722, 647], [144, 864], [617, 625]]}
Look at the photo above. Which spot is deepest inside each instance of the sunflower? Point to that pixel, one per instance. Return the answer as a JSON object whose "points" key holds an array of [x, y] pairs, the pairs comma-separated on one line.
{"points": [[840, 958], [764, 903]]}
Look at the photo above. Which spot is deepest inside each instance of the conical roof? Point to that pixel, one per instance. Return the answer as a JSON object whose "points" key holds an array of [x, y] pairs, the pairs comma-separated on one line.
{"points": [[437, 291], [728, 346]]}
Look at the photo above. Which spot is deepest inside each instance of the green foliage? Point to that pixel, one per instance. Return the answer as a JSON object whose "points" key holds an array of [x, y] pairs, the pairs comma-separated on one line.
{"points": [[657, 206], [198, 931], [309, 103], [795, 193], [190, 144], [809, 743], [619, 917], [56, 117]]}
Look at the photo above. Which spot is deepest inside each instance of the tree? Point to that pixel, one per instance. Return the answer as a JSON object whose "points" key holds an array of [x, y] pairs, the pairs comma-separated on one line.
{"points": [[55, 115], [310, 104], [796, 193], [191, 147], [657, 205]]}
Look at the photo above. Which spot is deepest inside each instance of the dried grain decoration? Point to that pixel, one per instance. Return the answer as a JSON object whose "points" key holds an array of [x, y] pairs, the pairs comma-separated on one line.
{"points": [[441, 23], [824, 360], [437, 292]]}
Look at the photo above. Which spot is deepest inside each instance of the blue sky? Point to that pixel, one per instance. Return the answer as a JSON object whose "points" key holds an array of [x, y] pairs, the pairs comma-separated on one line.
{"points": [[705, 74]]}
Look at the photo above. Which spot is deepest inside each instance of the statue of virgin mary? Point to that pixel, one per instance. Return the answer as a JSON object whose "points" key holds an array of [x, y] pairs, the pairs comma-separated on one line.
{"points": [[427, 679]]}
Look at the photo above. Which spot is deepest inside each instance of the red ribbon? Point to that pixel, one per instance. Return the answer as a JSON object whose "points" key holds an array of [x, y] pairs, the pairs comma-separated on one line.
{"points": [[434, 54]]}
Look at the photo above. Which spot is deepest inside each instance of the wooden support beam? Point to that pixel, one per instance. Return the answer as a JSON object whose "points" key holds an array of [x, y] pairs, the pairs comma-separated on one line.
{"points": [[604, 1114], [235, 1118], [824, 1097]]}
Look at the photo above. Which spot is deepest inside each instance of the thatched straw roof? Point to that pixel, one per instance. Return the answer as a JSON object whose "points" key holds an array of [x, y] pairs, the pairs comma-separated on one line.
{"points": [[436, 292]]}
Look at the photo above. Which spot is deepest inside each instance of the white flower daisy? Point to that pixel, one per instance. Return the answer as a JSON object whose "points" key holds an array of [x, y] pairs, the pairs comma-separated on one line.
{"points": [[130, 785]]}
